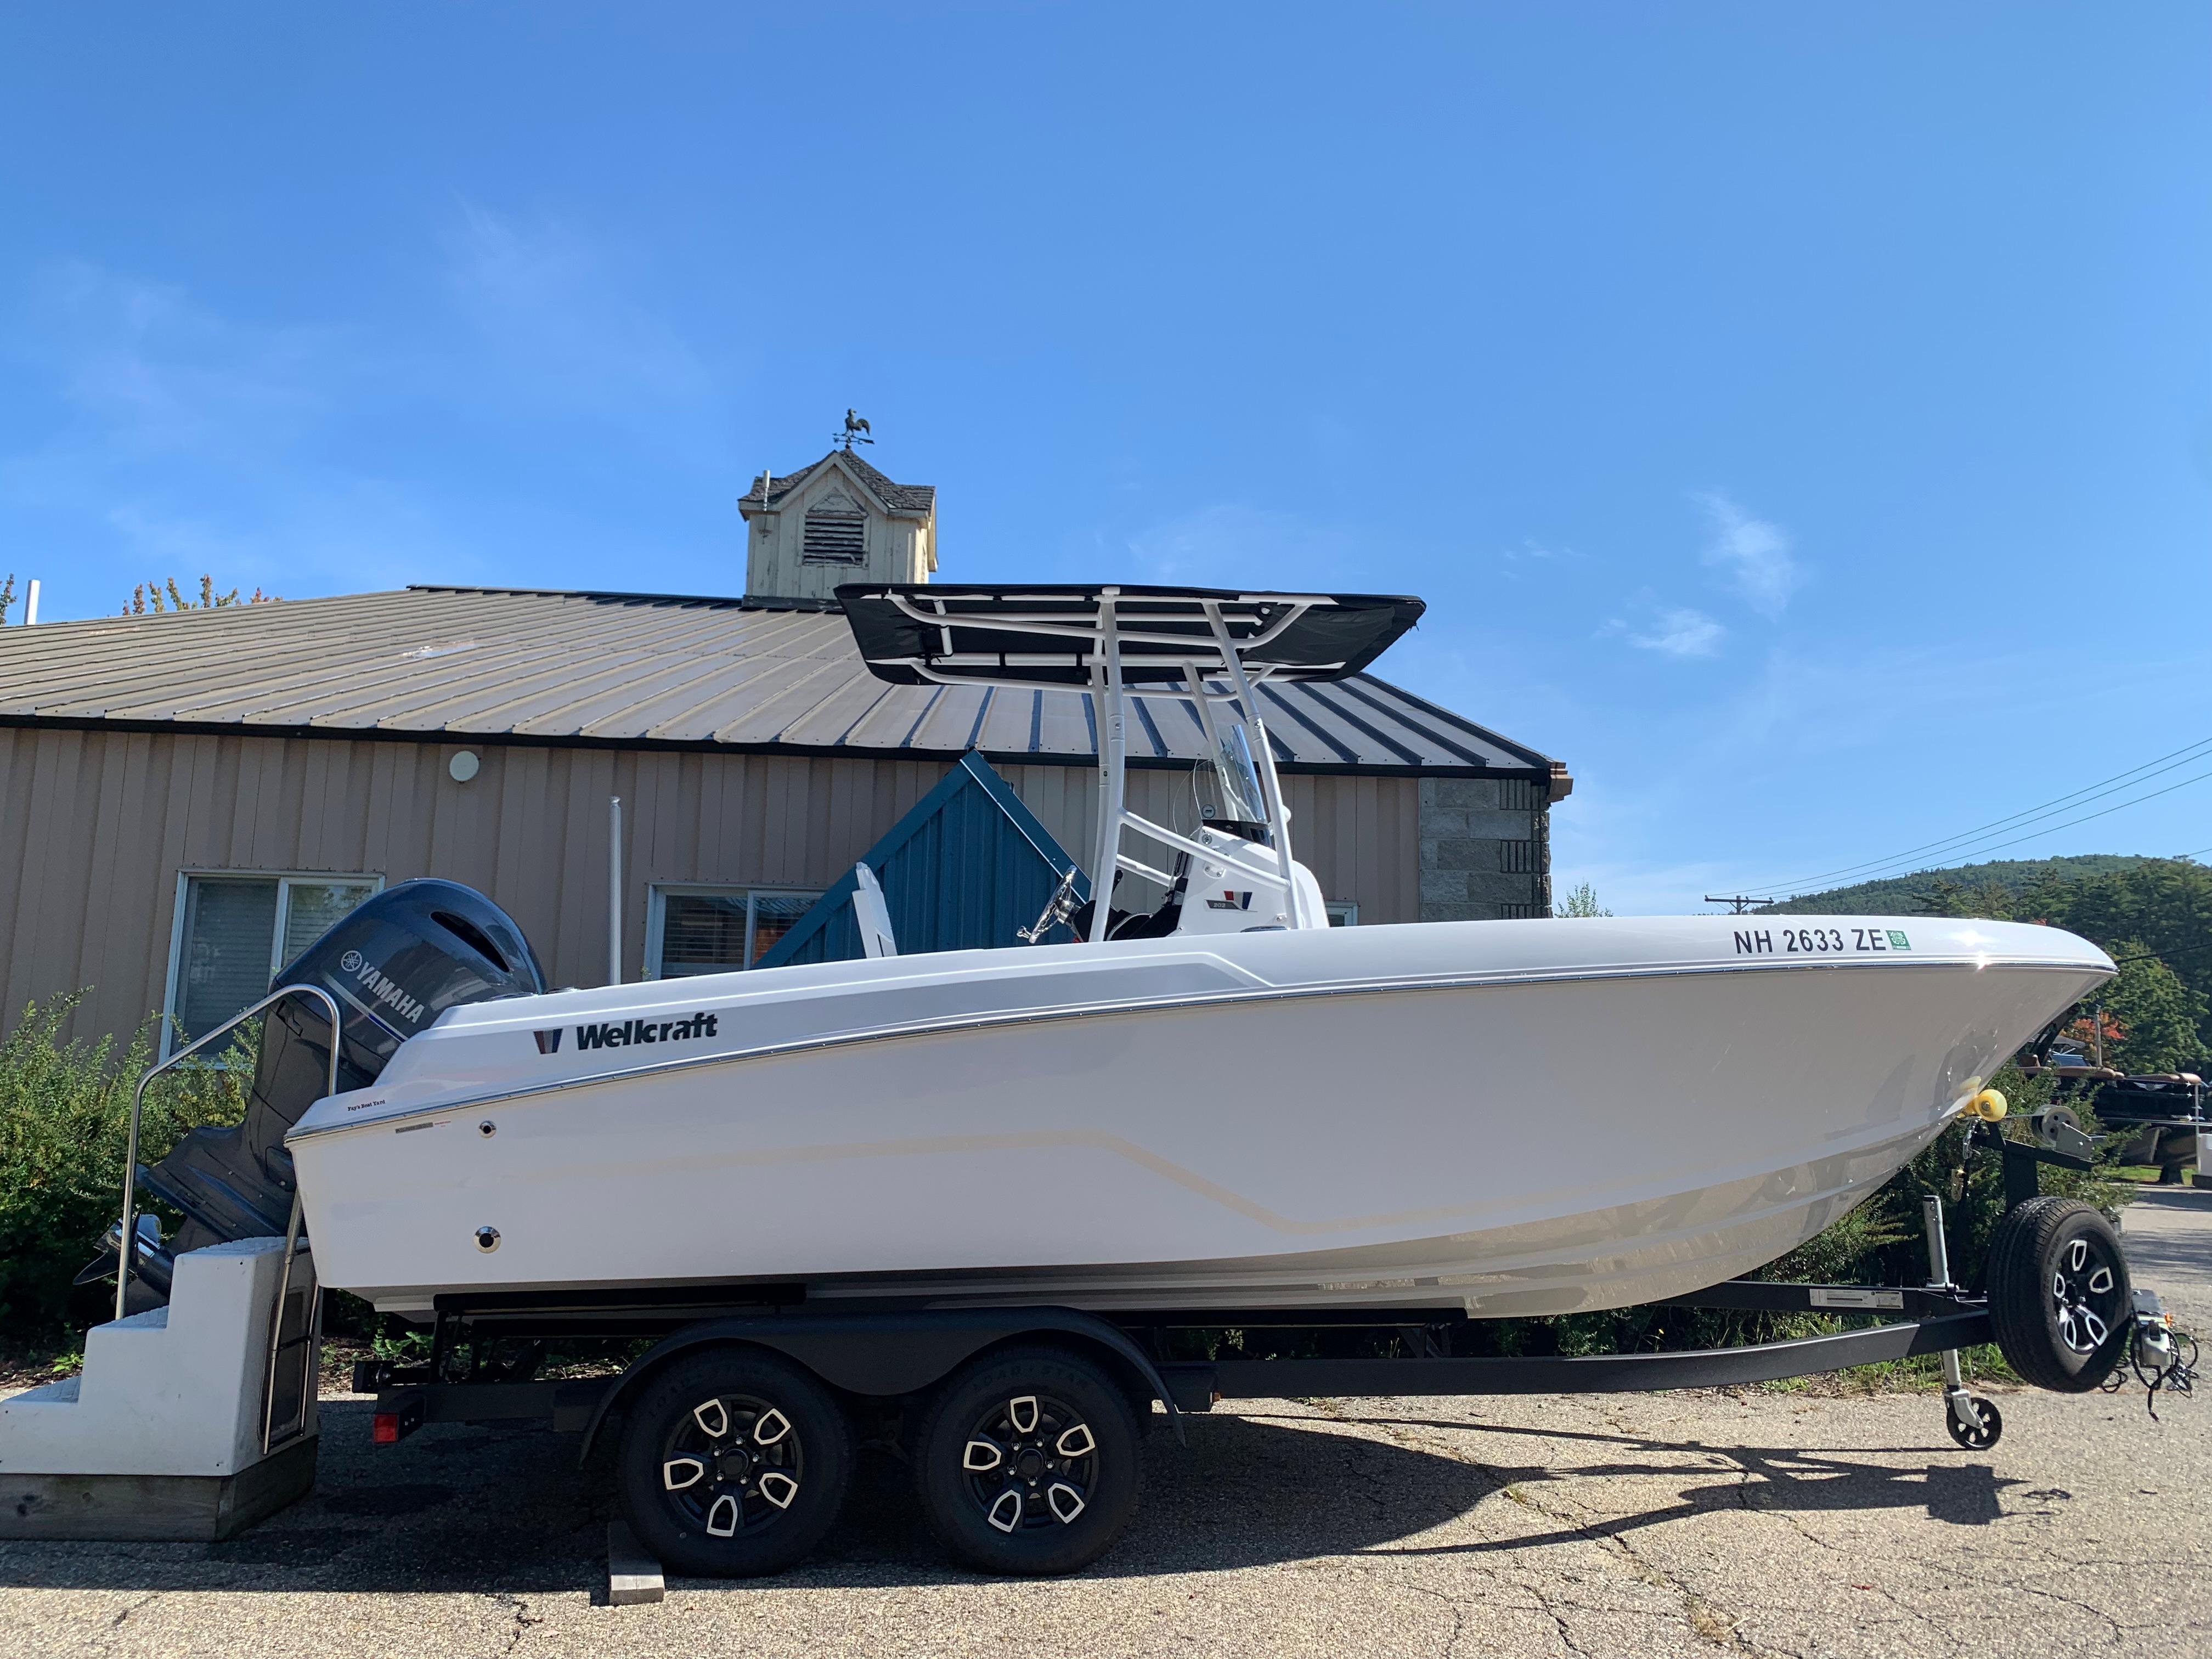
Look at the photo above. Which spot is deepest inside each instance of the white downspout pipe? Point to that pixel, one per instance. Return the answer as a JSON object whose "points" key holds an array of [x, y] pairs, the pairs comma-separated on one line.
{"points": [[614, 890]]}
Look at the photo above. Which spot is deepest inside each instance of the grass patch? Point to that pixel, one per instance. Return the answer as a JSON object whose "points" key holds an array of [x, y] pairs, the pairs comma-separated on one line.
{"points": [[1919, 1374]]}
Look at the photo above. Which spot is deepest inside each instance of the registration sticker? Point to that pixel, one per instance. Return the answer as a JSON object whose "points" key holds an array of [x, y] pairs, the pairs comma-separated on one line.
{"points": [[1818, 941]]}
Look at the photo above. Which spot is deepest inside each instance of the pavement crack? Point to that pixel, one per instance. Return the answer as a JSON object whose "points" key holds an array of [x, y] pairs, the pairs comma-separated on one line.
{"points": [[1957, 1643], [1558, 1623], [524, 1619], [1458, 1604], [124, 1613], [1712, 1622], [2119, 1629]]}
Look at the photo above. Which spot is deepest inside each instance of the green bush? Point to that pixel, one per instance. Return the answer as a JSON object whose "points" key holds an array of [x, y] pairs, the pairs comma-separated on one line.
{"points": [[64, 1114]]}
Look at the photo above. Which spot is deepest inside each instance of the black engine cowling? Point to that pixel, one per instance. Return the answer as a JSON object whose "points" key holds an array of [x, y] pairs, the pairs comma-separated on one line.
{"points": [[393, 963]]}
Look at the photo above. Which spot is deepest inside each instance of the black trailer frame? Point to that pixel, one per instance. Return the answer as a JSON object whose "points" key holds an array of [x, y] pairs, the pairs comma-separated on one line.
{"points": [[887, 1354]]}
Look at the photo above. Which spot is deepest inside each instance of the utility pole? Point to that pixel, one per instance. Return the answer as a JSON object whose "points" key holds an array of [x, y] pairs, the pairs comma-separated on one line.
{"points": [[1736, 902]]}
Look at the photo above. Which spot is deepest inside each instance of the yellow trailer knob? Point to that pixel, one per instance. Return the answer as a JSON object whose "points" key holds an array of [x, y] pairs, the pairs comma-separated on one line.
{"points": [[1990, 1106]]}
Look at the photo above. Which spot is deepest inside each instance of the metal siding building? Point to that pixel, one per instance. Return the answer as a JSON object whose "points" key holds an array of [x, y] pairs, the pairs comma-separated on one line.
{"points": [[280, 758]]}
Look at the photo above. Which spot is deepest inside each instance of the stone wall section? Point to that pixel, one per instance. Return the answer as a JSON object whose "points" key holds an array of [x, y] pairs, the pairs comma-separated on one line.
{"points": [[1486, 849]]}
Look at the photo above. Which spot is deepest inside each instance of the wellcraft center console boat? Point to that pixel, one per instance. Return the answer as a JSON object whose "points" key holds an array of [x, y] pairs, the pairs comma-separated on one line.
{"points": [[962, 1201], [1223, 1102]]}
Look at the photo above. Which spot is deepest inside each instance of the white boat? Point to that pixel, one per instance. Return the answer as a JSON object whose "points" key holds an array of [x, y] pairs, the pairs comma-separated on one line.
{"points": [[1230, 1105]]}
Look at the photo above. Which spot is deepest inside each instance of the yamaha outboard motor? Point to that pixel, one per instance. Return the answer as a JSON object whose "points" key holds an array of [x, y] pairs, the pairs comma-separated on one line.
{"points": [[393, 963]]}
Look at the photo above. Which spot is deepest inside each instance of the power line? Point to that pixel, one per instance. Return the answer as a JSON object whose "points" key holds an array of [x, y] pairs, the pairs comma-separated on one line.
{"points": [[2166, 762], [1736, 902], [2054, 827], [2133, 774], [2103, 812]]}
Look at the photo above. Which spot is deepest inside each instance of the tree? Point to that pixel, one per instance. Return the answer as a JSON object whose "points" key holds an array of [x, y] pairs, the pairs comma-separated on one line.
{"points": [[146, 596], [2161, 909], [1581, 902], [2151, 1018]]}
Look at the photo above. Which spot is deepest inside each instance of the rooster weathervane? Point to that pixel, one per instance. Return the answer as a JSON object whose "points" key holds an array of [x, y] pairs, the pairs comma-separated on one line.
{"points": [[855, 432]]}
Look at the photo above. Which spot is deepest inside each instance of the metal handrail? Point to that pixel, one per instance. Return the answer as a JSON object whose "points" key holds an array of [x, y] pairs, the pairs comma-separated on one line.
{"points": [[126, 1250]]}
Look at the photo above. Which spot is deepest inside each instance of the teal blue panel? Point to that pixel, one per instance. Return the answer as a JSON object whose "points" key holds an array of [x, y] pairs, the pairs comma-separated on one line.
{"points": [[962, 872]]}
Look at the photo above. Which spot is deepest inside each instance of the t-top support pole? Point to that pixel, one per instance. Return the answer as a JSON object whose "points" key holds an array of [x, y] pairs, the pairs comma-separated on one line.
{"points": [[1106, 701], [1271, 787]]}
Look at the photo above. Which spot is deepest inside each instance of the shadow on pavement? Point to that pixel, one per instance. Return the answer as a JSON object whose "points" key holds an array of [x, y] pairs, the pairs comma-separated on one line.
{"points": [[1798, 1479], [507, 1511]]}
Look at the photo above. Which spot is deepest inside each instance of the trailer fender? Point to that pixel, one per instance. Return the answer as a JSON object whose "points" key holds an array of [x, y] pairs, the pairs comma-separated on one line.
{"points": [[889, 1353]]}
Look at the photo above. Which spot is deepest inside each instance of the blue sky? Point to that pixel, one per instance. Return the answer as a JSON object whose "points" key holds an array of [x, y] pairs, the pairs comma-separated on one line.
{"points": [[1799, 419]]}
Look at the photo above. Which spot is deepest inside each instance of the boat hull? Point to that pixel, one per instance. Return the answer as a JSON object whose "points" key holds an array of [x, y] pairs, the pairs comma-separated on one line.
{"points": [[1514, 1118]]}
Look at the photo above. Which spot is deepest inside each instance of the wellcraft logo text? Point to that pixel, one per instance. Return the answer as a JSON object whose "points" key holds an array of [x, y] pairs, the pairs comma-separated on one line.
{"points": [[630, 1033]]}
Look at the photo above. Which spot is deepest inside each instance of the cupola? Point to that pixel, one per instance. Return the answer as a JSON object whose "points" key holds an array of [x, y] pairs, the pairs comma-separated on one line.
{"points": [[836, 521]]}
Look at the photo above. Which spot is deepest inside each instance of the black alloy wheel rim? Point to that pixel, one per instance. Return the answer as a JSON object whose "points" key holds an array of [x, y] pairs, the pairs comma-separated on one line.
{"points": [[2085, 1295], [732, 1467], [1031, 1462]]}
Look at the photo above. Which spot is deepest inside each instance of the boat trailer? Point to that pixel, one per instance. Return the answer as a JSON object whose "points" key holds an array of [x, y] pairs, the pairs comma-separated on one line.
{"points": [[2072, 1327], [982, 1396]]}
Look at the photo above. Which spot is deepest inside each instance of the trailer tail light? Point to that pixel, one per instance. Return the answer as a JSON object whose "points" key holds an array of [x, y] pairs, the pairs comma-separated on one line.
{"points": [[395, 1416]]}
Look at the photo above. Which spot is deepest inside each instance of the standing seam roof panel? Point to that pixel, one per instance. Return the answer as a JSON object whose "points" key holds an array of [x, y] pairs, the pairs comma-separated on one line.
{"points": [[642, 668]]}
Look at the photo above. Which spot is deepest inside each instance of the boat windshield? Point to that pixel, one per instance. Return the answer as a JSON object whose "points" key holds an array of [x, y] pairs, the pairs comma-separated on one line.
{"points": [[1235, 783]]}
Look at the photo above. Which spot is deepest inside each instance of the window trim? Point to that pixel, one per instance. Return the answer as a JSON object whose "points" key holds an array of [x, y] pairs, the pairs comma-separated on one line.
{"points": [[1346, 909], [186, 874], [656, 912]]}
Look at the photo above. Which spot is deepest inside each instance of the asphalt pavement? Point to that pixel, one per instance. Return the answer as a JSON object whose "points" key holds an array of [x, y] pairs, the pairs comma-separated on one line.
{"points": [[1686, 1523]]}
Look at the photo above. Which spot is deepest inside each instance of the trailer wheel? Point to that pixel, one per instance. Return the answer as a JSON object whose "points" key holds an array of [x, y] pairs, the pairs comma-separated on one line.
{"points": [[734, 1463], [1027, 1462], [1977, 1439], [2059, 1299]]}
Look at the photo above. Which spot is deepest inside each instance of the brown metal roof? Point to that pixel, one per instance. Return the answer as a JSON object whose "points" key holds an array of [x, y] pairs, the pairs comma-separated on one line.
{"points": [[637, 670]]}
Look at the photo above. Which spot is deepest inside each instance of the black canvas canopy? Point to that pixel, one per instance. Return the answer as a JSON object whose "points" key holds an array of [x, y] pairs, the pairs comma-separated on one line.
{"points": [[922, 633]]}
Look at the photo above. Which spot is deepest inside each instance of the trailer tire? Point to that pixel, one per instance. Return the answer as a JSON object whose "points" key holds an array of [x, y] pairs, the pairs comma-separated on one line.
{"points": [[2059, 1299], [734, 1463], [1983, 1438], [1026, 1462]]}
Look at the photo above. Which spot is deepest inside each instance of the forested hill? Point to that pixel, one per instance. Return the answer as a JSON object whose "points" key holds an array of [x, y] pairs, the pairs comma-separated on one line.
{"points": [[1905, 896], [2155, 915]]}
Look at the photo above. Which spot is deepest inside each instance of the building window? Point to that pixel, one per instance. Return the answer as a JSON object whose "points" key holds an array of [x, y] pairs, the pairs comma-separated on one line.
{"points": [[837, 531], [717, 930], [234, 934], [1344, 913]]}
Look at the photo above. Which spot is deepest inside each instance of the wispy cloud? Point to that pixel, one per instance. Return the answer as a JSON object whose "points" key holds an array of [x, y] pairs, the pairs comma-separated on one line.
{"points": [[1672, 630], [549, 300], [1229, 544], [151, 369], [192, 442], [1754, 554], [186, 437]]}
